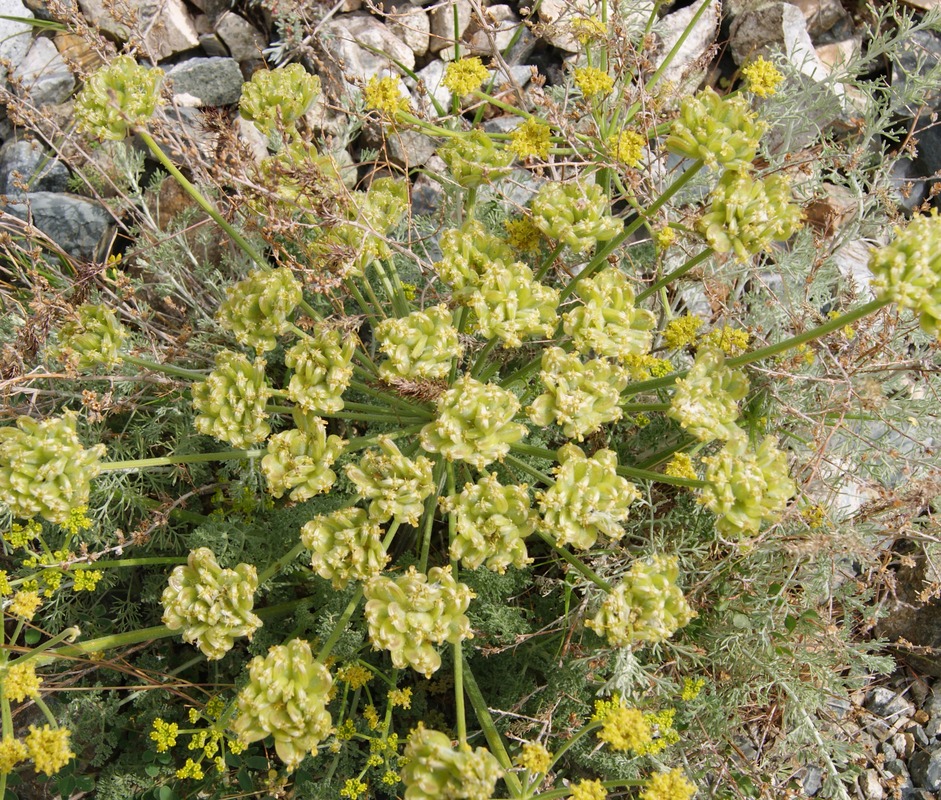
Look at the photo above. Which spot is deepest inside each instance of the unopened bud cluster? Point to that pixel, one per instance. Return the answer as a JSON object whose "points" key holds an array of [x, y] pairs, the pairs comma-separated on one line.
{"points": [[321, 371], [647, 606], [409, 615], [299, 460], [117, 98], [286, 698], [257, 308], [420, 345], [90, 338], [705, 402], [345, 546], [436, 771], [575, 213], [212, 605], [278, 97], [231, 400], [395, 485]]}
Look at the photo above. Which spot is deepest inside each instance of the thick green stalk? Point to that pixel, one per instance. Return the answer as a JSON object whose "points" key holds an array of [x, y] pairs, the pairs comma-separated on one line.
{"points": [[167, 369], [69, 634], [277, 565], [338, 629], [575, 562], [169, 461], [679, 272], [201, 201]]}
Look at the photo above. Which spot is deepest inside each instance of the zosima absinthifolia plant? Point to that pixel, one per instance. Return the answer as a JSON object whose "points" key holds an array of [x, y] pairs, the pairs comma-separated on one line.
{"points": [[485, 441]]}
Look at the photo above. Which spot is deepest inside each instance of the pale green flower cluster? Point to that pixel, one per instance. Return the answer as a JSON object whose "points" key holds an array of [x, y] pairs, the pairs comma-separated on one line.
{"points": [[746, 487], [117, 98], [433, 770], [908, 270], [474, 423], [607, 323], [286, 698], [474, 160], [705, 402], [574, 213], [409, 615], [420, 345], [493, 522], [231, 401], [466, 255], [256, 309], [588, 498], [303, 178], [345, 546], [44, 469], [511, 305], [299, 460], [322, 371], [722, 131], [746, 214], [212, 605], [91, 337], [579, 397], [395, 485], [647, 606], [278, 96]]}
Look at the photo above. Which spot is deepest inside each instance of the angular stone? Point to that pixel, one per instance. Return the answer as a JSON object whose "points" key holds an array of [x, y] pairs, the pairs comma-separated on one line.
{"points": [[442, 24], [15, 37], [165, 24], [812, 781], [885, 703], [365, 46], [75, 223], [211, 81], [832, 210], [496, 31], [25, 162], [670, 29], [410, 24], [44, 75], [240, 36], [925, 769], [821, 15], [870, 786]]}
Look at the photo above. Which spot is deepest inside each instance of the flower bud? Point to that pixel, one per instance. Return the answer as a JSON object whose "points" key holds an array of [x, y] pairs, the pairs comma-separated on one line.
{"points": [[322, 371], [705, 402], [299, 460], [575, 213], [286, 698], [510, 304], [395, 485], [647, 606], [91, 337], [474, 424], [474, 160], [467, 253], [257, 308], [420, 345], [212, 605], [44, 469], [433, 770], [345, 546], [117, 98], [588, 498], [231, 401], [278, 96]]}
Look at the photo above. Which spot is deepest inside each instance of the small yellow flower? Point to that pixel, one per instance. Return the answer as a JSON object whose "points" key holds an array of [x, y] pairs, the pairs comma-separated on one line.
{"points": [[353, 788], [86, 580], [49, 748], [762, 77], [627, 147], [642, 368], [25, 604], [681, 466], [523, 235], [5, 587], [384, 95], [78, 520], [355, 675], [372, 717], [390, 778], [664, 237], [532, 138], [20, 682], [588, 790], [464, 76], [190, 770], [588, 29], [732, 341], [670, 785], [625, 729], [692, 688], [681, 331], [346, 731], [164, 734], [12, 752], [593, 81], [401, 698], [815, 516], [534, 757]]}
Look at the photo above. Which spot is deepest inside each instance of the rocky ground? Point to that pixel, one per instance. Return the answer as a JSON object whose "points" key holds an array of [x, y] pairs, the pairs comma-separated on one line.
{"points": [[208, 48]]}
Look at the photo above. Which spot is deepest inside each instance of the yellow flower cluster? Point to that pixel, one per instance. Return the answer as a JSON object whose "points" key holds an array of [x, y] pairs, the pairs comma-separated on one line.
{"points": [[401, 698], [355, 675], [531, 139], [464, 76], [25, 604], [681, 331], [627, 147], [385, 95], [164, 734], [762, 77], [588, 790], [625, 729], [732, 341], [593, 81], [48, 747], [190, 770], [534, 757], [20, 682], [22, 535], [691, 688], [12, 752], [681, 466], [353, 788], [670, 785], [86, 580]]}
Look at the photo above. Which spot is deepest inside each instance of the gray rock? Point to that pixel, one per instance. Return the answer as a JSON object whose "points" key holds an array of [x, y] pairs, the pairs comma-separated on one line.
{"points": [[812, 781], [933, 727], [775, 27], [211, 81], [15, 37], [431, 76], [888, 704], [870, 786], [917, 55], [166, 25], [410, 149], [427, 196], [442, 24], [326, 120], [410, 24], [925, 769], [212, 45], [365, 46], [240, 36], [44, 75], [888, 751], [821, 15], [496, 31], [26, 162], [75, 223], [920, 736], [702, 37]]}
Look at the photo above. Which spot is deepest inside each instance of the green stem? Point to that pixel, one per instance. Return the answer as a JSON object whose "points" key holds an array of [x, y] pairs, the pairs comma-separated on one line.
{"points": [[659, 477], [167, 369], [494, 739], [679, 272], [131, 562], [338, 629], [591, 726], [169, 461], [522, 466], [69, 633], [552, 794], [481, 360], [276, 566], [549, 261], [362, 442], [579, 565], [201, 201], [438, 477]]}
